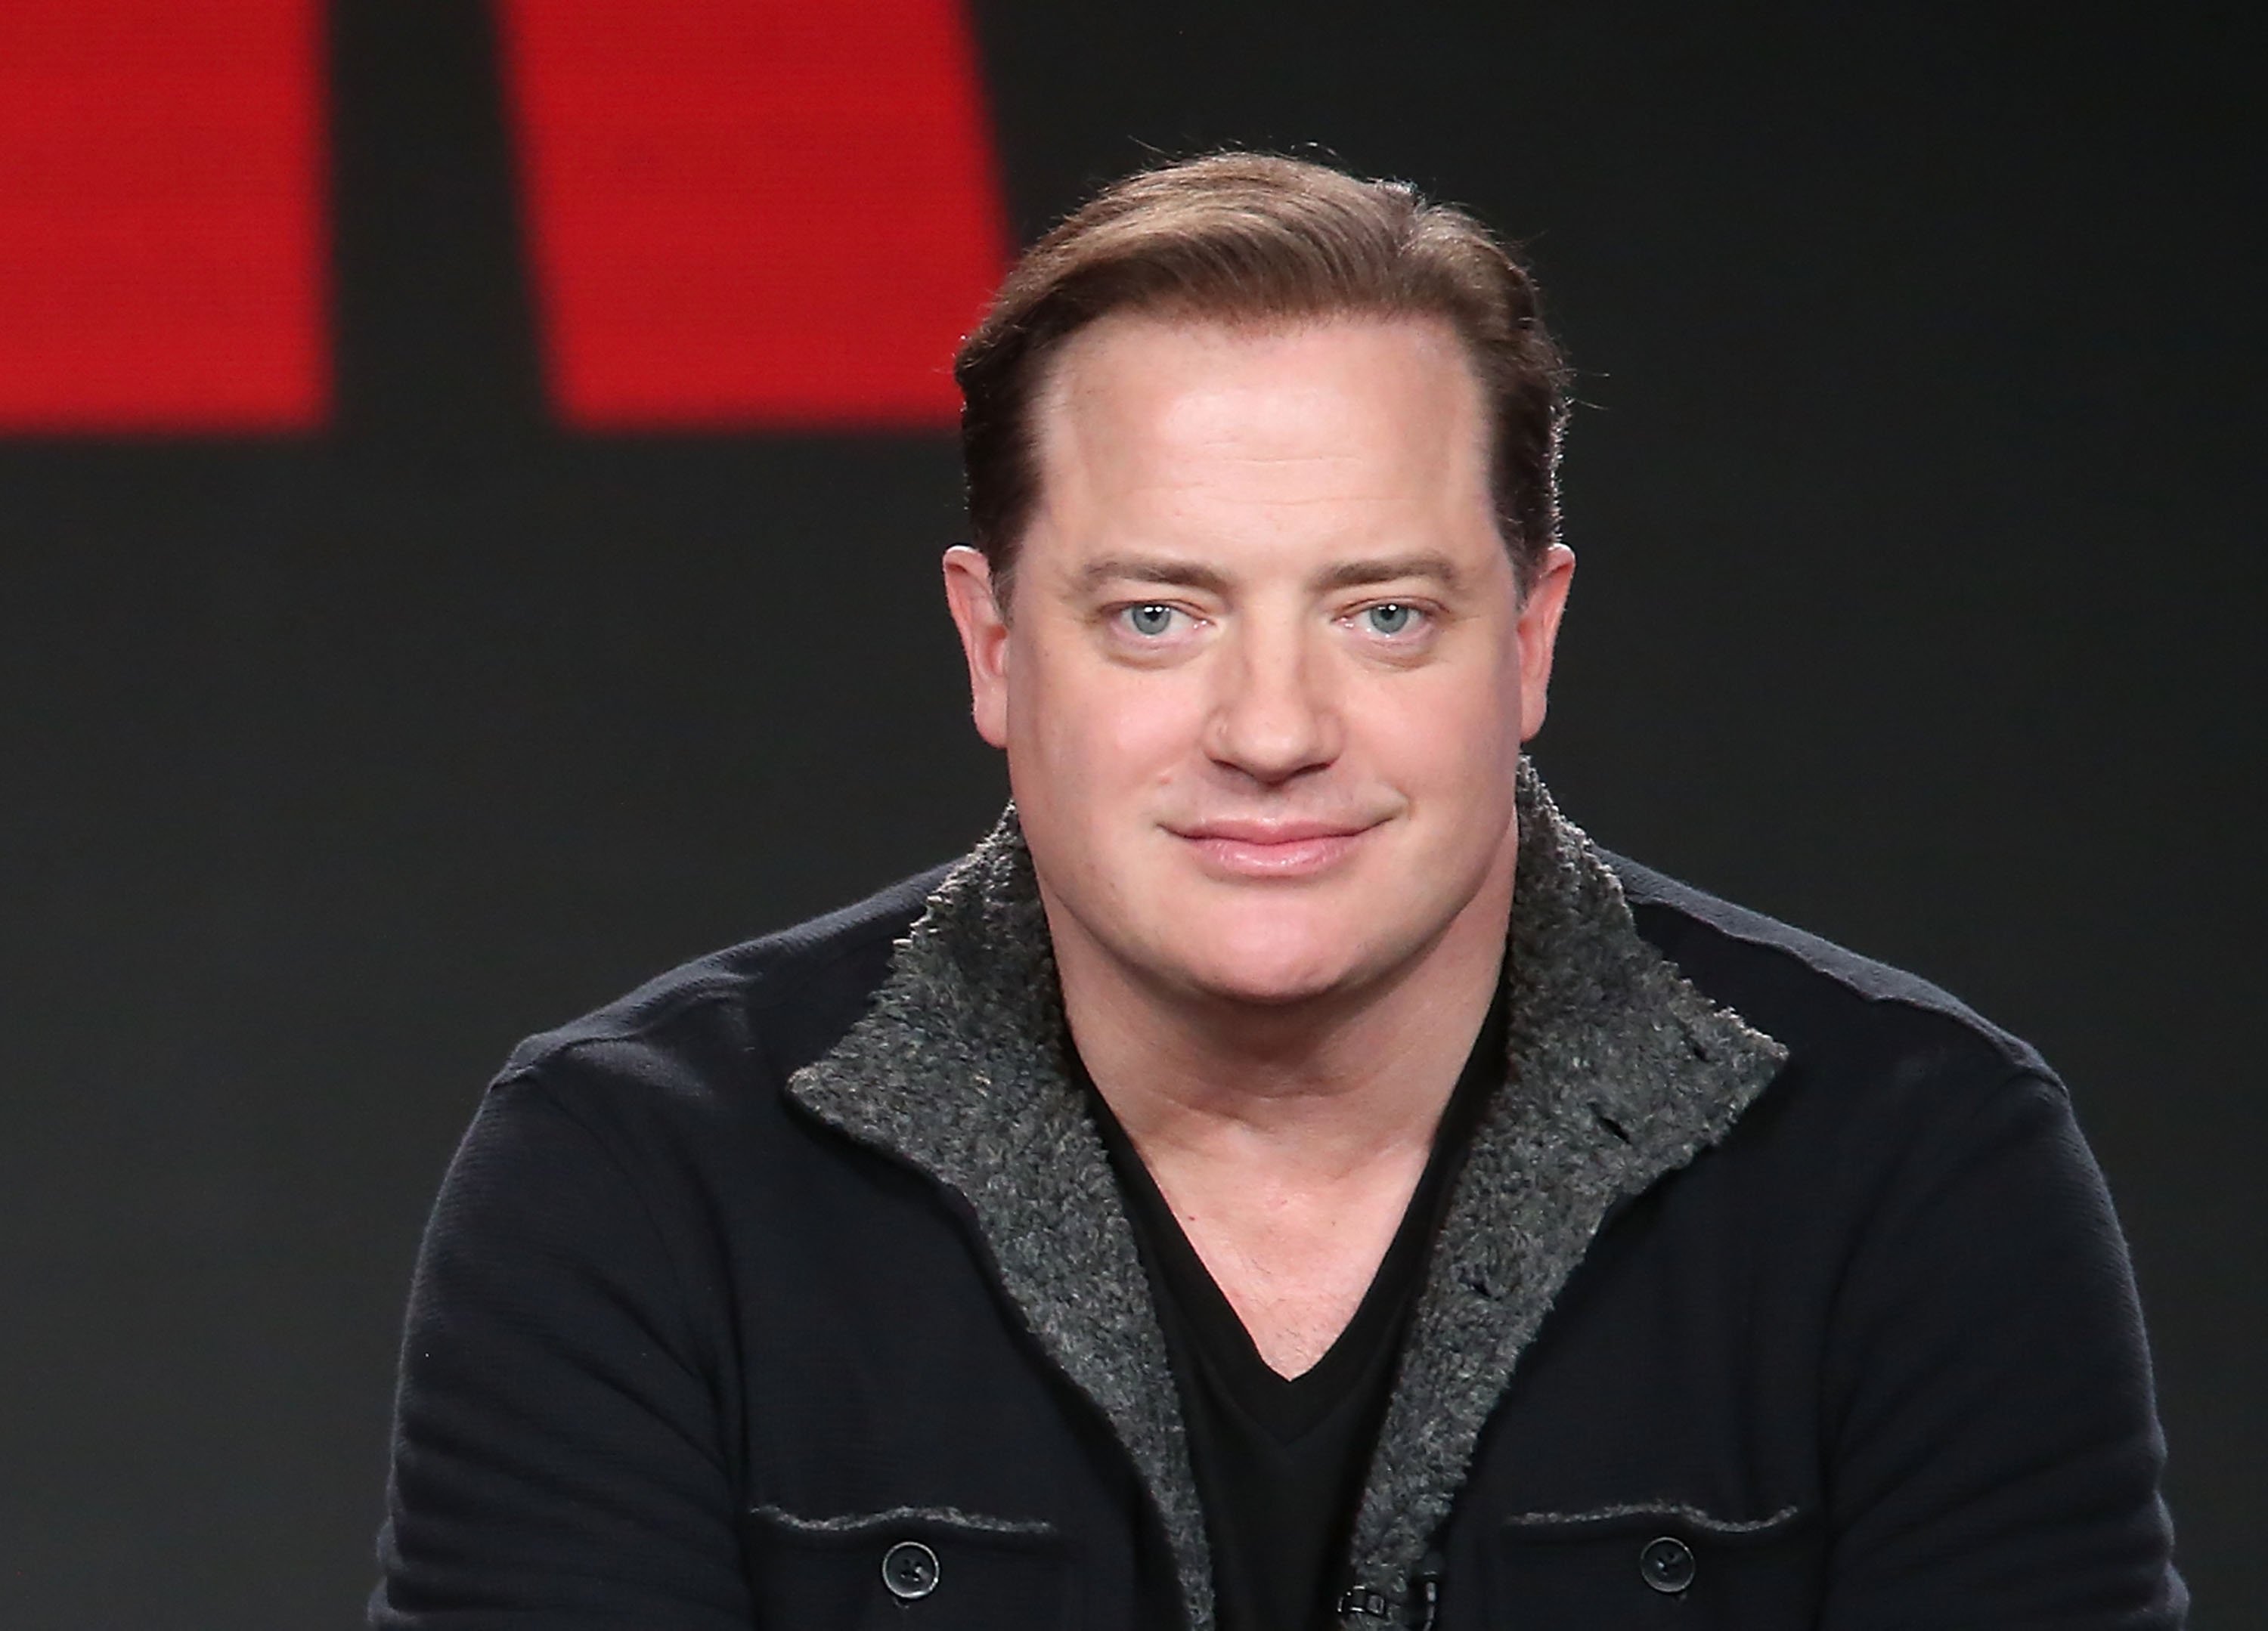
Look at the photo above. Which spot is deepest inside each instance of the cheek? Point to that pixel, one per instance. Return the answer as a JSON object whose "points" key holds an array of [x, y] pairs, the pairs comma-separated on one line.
{"points": [[1084, 731], [1446, 733]]}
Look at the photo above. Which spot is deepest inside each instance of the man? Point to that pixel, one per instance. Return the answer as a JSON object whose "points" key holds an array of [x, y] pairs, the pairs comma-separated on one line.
{"points": [[1285, 1176]]}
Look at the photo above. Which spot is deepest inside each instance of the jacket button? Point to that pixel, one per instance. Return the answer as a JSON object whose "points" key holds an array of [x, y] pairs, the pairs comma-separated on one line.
{"points": [[1667, 1565], [910, 1571]]}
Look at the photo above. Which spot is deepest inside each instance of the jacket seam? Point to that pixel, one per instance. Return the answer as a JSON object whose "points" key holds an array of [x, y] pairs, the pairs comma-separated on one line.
{"points": [[1679, 1511], [943, 1516], [2006, 1048], [722, 988], [676, 1009]]}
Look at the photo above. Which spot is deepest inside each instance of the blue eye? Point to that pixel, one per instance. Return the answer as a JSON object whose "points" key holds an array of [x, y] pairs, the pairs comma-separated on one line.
{"points": [[1393, 618], [1150, 620]]}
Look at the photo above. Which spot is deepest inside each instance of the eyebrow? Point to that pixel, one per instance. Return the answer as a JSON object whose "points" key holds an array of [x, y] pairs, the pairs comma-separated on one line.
{"points": [[1150, 569], [1389, 568], [1191, 575]]}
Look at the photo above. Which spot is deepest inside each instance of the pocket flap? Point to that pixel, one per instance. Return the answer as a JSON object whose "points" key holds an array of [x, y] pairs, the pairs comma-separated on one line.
{"points": [[1658, 1564], [910, 1568], [1677, 1516]]}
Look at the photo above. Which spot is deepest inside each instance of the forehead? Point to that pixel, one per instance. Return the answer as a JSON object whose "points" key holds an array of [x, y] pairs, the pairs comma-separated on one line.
{"points": [[1145, 418]]}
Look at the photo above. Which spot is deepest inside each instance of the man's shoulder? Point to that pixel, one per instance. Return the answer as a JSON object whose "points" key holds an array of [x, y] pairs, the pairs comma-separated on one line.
{"points": [[1813, 994], [764, 1007]]}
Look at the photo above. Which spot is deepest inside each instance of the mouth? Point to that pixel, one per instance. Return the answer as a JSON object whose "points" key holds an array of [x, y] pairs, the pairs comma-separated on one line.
{"points": [[1272, 849]]}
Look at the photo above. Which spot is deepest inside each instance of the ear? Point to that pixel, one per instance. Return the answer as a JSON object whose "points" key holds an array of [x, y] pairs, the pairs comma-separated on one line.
{"points": [[1539, 635], [983, 624]]}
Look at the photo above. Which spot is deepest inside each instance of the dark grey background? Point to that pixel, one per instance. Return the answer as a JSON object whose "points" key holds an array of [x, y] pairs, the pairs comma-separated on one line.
{"points": [[1916, 492]]}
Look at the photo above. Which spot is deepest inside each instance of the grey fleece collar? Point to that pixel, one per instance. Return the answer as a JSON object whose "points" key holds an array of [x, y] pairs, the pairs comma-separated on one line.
{"points": [[1619, 1071]]}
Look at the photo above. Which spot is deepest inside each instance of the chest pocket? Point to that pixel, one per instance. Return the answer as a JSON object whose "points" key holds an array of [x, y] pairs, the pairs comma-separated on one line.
{"points": [[1643, 1567], [910, 1569]]}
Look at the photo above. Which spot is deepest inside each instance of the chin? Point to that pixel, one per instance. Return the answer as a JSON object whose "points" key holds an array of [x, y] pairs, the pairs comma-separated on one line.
{"points": [[1271, 964]]}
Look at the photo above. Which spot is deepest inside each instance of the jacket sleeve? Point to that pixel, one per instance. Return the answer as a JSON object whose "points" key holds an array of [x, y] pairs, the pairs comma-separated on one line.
{"points": [[557, 1461], [1995, 1450]]}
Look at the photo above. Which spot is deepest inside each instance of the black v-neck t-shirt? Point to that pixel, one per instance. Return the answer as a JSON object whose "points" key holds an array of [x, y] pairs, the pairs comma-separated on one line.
{"points": [[1279, 1460]]}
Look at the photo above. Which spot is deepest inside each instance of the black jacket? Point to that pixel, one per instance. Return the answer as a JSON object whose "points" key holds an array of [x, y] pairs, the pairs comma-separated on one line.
{"points": [[1778, 1291]]}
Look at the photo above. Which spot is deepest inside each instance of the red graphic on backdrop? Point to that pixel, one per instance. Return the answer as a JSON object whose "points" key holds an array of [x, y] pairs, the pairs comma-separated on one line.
{"points": [[753, 213], [741, 214], [162, 232]]}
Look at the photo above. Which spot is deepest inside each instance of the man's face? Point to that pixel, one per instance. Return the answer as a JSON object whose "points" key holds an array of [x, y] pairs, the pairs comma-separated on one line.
{"points": [[1268, 671]]}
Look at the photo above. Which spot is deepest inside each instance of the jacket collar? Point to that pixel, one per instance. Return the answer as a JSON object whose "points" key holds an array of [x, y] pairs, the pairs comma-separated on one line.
{"points": [[1618, 1072]]}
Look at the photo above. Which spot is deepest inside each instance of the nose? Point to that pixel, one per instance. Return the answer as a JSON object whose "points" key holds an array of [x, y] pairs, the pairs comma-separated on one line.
{"points": [[1273, 715]]}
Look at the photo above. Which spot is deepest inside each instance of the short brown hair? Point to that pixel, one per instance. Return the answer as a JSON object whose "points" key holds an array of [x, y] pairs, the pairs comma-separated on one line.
{"points": [[1246, 237]]}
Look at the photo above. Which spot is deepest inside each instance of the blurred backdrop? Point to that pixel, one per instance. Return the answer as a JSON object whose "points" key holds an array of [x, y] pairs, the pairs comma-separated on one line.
{"points": [[470, 484]]}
